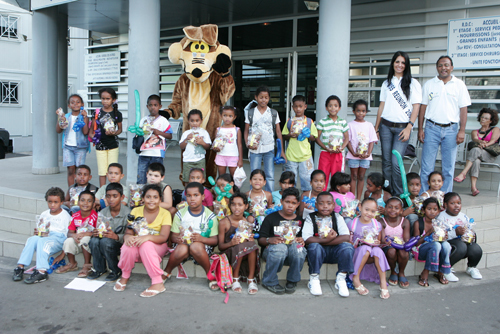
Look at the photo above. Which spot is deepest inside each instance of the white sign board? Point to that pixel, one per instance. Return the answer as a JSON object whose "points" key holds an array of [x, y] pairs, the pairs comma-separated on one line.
{"points": [[39, 4], [102, 67], [474, 42]]}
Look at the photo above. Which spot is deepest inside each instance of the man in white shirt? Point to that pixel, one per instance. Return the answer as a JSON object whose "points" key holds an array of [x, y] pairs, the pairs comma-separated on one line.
{"points": [[444, 106]]}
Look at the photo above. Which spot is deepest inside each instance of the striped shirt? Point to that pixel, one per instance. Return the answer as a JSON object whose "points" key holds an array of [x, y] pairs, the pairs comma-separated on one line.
{"points": [[328, 128]]}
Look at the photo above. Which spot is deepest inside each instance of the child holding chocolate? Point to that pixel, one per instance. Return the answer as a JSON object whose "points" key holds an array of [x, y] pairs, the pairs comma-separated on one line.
{"points": [[194, 230], [237, 242]]}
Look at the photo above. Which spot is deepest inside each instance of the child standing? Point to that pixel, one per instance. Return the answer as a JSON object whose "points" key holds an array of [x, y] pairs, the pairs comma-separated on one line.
{"points": [[158, 129], [340, 186], [259, 117], [460, 249], [150, 248], [45, 245], [333, 136], [104, 130], [194, 142], [231, 155], [317, 185], [370, 263], [395, 225], [435, 254], [80, 231], [238, 249], [299, 153], [75, 143], [258, 198], [376, 188], [361, 138], [287, 180]]}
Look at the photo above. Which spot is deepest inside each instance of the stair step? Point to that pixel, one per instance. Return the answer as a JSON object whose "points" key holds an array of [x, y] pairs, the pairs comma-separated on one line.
{"points": [[16, 221]]}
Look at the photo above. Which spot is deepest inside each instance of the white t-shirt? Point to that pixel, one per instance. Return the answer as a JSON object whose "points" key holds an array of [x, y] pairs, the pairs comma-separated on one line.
{"points": [[193, 153], [263, 122], [459, 220], [308, 229], [161, 124], [58, 223], [394, 110], [444, 101], [231, 147], [71, 137]]}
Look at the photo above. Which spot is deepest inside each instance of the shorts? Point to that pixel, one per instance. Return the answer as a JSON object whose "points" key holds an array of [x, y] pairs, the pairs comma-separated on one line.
{"points": [[70, 246], [357, 163], [74, 156], [104, 158], [226, 160], [187, 166]]}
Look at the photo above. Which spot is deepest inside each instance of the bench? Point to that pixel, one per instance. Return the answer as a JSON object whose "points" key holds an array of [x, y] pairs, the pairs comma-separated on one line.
{"points": [[176, 125]]}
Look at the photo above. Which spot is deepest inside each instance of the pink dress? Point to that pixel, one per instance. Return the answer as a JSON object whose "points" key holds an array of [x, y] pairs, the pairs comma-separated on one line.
{"points": [[343, 198]]}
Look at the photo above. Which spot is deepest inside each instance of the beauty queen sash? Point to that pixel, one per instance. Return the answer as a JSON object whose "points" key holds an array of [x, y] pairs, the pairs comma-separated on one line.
{"points": [[401, 100]]}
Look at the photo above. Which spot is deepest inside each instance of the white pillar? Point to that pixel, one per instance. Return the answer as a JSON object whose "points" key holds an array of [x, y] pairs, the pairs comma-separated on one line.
{"points": [[62, 66], [143, 65], [334, 39], [45, 97]]}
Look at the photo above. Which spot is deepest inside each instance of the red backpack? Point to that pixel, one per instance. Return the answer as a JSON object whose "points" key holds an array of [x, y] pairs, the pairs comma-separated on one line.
{"points": [[221, 271]]}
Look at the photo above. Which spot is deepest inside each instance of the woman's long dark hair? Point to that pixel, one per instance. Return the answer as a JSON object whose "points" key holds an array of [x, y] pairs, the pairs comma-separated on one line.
{"points": [[406, 80]]}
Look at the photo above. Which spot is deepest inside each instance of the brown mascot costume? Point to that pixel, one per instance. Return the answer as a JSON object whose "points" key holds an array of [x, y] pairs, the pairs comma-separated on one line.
{"points": [[205, 84]]}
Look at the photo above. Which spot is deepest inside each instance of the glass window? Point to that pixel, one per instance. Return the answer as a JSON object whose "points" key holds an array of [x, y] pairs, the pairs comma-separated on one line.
{"points": [[8, 26], [267, 35], [9, 94], [307, 31]]}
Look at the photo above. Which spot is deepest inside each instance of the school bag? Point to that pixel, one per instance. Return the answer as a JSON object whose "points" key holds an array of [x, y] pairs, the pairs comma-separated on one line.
{"points": [[221, 271]]}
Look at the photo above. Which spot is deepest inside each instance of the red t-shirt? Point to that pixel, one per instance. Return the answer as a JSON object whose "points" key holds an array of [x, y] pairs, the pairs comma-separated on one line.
{"points": [[77, 220]]}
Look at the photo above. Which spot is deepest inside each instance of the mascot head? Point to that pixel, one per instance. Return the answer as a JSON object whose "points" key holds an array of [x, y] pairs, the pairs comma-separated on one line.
{"points": [[198, 51]]}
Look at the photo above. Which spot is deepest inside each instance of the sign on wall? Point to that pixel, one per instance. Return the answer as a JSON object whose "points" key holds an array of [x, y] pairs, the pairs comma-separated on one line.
{"points": [[39, 4], [474, 42], [102, 67]]}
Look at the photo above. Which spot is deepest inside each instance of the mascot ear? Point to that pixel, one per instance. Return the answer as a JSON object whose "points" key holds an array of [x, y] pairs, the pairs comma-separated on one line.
{"points": [[174, 53], [210, 33], [223, 62]]}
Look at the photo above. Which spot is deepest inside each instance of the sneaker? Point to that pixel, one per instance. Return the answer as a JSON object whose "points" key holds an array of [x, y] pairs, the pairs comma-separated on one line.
{"points": [[113, 277], [94, 274], [290, 287], [18, 274], [37, 277], [341, 285], [314, 285], [451, 277], [276, 289], [474, 273]]}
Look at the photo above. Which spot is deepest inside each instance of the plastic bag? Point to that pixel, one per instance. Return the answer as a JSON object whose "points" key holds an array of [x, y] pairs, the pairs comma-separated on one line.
{"points": [[324, 226], [82, 227], [297, 125], [418, 202], [186, 233], [102, 224], [147, 126], [334, 142], [370, 235], [221, 208], [439, 195], [135, 195], [289, 230], [42, 226], [362, 144], [219, 142], [258, 207], [107, 122], [440, 229], [239, 176], [350, 208], [254, 137], [469, 233], [244, 230], [61, 119], [181, 206], [74, 193], [195, 133]]}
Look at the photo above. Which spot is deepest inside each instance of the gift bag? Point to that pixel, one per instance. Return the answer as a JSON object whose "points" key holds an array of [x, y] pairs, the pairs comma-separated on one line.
{"points": [[239, 176]]}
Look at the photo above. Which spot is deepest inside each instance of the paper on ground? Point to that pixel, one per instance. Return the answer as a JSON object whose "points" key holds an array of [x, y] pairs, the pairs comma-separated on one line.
{"points": [[84, 284]]}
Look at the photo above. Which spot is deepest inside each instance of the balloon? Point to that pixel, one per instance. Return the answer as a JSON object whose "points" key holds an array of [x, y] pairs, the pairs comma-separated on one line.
{"points": [[217, 191], [410, 243], [278, 160], [206, 234], [306, 133], [256, 235], [310, 201], [219, 198], [136, 128], [79, 124], [228, 187], [406, 194], [211, 180], [273, 209], [395, 245]]}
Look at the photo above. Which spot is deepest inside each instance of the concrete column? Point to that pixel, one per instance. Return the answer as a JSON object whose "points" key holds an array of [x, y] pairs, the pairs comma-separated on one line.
{"points": [[143, 65], [62, 66], [334, 39], [45, 97]]}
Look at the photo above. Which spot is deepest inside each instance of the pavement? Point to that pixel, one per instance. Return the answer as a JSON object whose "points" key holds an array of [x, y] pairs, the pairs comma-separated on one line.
{"points": [[188, 306]]}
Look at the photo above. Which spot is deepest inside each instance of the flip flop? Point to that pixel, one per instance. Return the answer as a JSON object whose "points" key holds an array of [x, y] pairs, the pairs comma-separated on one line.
{"points": [[475, 192], [153, 293], [441, 279], [403, 280], [393, 280], [211, 284], [361, 288], [121, 287], [423, 282], [384, 294], [66, 268], [456, 179]]}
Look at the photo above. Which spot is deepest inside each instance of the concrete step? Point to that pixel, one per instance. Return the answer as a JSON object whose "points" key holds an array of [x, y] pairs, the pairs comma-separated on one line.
{"points": [[21, 200], [17, 221]]}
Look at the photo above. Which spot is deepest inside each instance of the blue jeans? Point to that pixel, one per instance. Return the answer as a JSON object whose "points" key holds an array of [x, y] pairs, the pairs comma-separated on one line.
{"points": [[342, 254], [74, 209], [44, 247], [281, 254], [105, 250], [74, 156], [142, 167], [302, 169], [256, 163], [436, 256], [389, 138], [434, 137]]}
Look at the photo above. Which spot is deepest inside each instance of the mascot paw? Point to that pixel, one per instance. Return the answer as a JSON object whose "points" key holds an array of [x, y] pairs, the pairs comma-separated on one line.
{"points": [[222, 64]]}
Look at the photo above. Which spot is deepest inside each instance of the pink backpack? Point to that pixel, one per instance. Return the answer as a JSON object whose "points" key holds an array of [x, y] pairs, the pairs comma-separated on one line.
{"points": [[221, 271]]}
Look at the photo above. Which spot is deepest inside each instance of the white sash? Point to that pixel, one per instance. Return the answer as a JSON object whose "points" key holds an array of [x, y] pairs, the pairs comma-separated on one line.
{"points": [[401, 100]]}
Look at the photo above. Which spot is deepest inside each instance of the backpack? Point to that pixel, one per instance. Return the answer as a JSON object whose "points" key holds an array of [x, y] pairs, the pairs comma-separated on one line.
{"points": [[221, 271], [176, 196]]}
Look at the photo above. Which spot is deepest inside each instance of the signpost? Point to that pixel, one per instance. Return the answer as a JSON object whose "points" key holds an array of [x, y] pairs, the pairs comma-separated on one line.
{"points": [[102, 67]]}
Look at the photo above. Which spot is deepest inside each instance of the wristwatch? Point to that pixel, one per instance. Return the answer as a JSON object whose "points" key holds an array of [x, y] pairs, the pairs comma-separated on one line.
{"points": [[267, 241], [412, 124]]}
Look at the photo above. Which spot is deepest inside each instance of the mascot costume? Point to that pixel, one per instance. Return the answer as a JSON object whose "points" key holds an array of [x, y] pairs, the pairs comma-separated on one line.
{"points": [[205, 84]]}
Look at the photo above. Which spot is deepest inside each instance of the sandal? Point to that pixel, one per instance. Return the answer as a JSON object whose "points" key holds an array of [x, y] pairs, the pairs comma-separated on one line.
{"points": [[384, 294], [423, 282], [393, 280], [362, 290], [85, 271], [213, 284], [475, 192], [403, 282], [441, 278], [120, 287], [66, 268], [151, 293], [252, 286], [236, 285], [458, 180], [167, 277]]}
